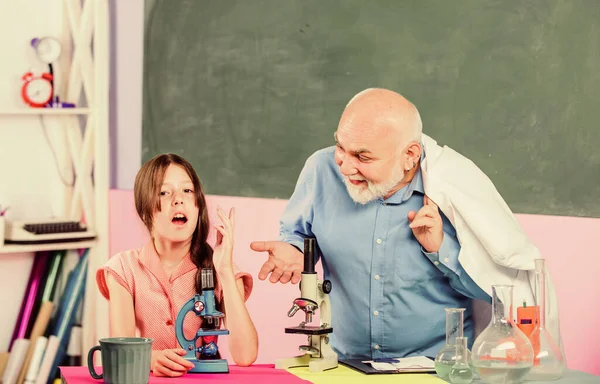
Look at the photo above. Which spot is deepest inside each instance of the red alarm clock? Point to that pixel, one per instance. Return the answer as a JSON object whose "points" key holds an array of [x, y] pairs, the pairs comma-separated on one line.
{"points": [[37, 91]]}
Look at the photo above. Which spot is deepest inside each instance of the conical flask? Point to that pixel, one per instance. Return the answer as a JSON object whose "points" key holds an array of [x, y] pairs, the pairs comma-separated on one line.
{"points": [[548, 362], [446, 357], [502, 354]]}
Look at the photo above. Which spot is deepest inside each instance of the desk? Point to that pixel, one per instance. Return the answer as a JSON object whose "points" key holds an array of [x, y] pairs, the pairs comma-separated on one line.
{"points": [[345, 375], [267, 374]]}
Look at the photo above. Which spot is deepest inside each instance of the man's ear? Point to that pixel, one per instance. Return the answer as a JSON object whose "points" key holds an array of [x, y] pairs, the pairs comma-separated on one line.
{"points": [[414, 151]]}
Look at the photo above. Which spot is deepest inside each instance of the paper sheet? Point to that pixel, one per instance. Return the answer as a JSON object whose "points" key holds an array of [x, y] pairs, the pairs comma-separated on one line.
{"points": [[404, 364]]}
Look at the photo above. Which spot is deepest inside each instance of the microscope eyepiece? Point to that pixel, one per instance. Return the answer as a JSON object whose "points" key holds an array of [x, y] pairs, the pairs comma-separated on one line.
{"points": [[310, 252], [207, 279]]}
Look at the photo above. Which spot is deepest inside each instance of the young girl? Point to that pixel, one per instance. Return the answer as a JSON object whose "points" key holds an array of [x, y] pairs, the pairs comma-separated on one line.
{"points": [[147, 287]]}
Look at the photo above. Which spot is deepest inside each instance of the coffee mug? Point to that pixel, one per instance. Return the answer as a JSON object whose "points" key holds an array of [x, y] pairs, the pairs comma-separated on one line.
{"points": [[125, 360]]}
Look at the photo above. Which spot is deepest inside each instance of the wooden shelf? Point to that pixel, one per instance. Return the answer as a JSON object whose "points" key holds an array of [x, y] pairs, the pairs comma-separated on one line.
{"points": [[45, 111], [19, 248]]}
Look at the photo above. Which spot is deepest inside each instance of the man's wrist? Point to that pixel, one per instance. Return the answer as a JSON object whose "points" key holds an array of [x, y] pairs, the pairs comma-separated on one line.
{"points": [[295, 246]]}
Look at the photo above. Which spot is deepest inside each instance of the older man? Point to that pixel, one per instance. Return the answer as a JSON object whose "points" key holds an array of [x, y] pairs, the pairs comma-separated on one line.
{"points": [[390, 253]]}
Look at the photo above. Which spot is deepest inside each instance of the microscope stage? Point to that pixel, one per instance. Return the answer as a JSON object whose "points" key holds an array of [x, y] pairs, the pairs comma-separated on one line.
{"points": [[308, 330]]}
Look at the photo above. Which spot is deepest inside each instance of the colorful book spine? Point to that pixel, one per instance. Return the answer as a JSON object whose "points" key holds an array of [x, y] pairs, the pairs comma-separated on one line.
{"points": [[67, 311], [36, 279]]}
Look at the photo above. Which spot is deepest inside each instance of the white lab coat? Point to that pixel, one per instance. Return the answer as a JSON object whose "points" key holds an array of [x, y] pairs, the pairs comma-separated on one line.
{"points": [[494, 248]]}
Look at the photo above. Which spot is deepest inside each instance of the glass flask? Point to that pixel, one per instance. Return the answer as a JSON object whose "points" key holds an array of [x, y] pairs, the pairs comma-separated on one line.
{"points": [[446, 357], [461, 372], [502, 354], [548, 361]]}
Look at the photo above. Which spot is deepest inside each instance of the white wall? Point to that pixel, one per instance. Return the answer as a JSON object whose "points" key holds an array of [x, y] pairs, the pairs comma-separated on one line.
{"points": [[126, 91], [29, 180]]}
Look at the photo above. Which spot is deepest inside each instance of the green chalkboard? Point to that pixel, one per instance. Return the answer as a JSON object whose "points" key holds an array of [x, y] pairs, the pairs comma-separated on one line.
{"points": [[247, 90]]}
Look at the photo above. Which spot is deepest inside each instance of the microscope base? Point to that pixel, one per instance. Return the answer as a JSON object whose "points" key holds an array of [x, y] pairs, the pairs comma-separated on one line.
{"points": [[309, 330], [209, 366], [314, 364]]}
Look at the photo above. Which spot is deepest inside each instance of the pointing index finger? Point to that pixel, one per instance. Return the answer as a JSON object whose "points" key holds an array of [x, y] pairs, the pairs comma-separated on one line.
{"points": [[262, 246]]}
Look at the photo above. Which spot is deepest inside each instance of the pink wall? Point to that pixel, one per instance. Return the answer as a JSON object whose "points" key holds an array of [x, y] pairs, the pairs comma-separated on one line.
{"points": [[563, 241], [570, 246]]}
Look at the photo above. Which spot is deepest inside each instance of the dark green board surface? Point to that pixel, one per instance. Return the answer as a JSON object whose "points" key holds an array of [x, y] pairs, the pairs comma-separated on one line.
{"points": [[247, 90]]}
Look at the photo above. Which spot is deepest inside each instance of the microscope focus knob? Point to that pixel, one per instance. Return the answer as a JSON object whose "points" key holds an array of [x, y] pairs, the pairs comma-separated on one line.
{"points": [[198, 306], [326, 287]]}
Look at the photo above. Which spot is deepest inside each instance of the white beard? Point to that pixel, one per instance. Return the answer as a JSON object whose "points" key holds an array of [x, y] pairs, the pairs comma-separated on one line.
{"points": [[373, 191]]}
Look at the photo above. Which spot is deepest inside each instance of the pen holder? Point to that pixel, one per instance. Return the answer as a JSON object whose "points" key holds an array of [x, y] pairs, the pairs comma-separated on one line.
{"points": [[2, 229]]}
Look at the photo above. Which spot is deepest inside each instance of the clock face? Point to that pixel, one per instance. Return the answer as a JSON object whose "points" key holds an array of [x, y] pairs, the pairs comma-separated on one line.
{"points": [[39, 91], [48, 50]]}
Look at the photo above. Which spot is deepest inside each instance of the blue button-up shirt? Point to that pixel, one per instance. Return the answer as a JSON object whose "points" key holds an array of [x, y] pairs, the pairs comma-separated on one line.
{"points": [[388, 295]]}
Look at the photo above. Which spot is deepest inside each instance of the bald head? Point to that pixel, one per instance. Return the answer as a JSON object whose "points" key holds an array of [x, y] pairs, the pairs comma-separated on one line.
{"points": [[381, 112], [378, 144]]}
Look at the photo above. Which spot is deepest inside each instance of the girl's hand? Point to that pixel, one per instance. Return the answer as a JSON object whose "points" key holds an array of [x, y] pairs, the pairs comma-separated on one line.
{"points": [[169, 362], [223, 251]]}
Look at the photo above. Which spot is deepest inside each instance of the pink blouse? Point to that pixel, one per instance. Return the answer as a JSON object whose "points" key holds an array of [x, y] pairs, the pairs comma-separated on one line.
{"points": [[156, 298]]}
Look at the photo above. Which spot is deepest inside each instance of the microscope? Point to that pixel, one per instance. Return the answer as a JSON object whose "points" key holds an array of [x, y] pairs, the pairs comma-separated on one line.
{"points": [[205, 357], [317, 353]]}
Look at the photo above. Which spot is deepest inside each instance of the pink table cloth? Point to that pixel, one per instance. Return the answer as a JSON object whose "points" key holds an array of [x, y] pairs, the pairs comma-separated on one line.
{"points": [[263, 374]]}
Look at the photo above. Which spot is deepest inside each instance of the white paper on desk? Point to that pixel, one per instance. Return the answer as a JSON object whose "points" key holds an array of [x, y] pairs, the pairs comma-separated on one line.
{"points": [[405, 364]]}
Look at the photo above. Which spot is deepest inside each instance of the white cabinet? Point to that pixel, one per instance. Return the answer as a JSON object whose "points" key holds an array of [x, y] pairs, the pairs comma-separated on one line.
{"points": [[84, 70]]}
